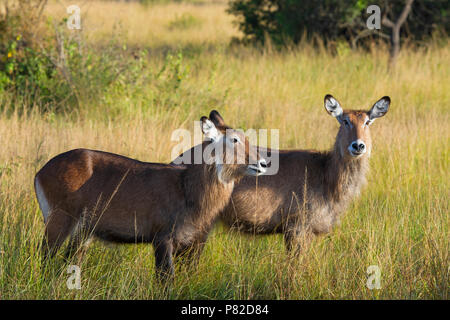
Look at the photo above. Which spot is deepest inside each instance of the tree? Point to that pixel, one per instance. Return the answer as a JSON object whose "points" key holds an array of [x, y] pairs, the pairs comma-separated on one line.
{"points": [[395, 35], [287, 21]]}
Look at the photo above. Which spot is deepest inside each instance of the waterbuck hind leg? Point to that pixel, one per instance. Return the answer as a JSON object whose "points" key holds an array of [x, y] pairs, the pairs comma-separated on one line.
{"points": [[58, 227], [163, 259], [80, 238]]}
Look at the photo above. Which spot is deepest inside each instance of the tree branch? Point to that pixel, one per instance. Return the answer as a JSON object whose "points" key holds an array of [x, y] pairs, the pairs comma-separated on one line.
{"points": [[388, 23], [366, 33], [404, 13], [395, 30]]}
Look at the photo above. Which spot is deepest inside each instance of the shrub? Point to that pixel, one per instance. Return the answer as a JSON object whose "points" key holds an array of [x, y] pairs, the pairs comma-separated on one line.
{"points": [[284, 21], [53, 67], [22, 68]]}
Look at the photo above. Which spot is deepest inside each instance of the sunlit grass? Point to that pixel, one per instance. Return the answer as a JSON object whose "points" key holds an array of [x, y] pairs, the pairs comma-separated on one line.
{"points": [[152, 26]]}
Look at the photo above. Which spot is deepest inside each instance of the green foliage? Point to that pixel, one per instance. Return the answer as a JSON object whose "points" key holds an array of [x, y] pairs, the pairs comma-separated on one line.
{"points": [[285, 21], [58, 71], [22, 68], [29, 73], [61, 72]]}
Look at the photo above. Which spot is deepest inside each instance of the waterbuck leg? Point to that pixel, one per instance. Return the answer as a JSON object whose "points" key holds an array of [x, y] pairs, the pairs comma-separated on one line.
{"points": [[297, 240], [163, 259], [78, 245], [79, 239], [57, 229], [191, 254]]}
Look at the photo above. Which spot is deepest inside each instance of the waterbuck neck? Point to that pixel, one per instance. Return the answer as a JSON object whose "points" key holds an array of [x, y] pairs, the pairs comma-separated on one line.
{"points": [[206, 191], [344, 176]]}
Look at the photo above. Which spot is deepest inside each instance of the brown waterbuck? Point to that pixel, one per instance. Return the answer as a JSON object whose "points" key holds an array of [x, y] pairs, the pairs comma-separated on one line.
{"points": [[312, 188], [86, 193]]}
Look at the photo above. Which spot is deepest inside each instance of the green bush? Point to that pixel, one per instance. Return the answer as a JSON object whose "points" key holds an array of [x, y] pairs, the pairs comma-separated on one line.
{"points": [[22, 68], [54, 68], [286, 21]]}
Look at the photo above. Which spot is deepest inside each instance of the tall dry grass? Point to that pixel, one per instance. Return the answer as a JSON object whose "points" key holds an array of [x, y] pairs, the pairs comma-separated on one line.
{"points": [[399, 223], [153, 26]]}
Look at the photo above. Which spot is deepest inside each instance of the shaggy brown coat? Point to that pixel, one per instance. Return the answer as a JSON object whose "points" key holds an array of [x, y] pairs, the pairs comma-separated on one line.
{"points": [[114, 198]]}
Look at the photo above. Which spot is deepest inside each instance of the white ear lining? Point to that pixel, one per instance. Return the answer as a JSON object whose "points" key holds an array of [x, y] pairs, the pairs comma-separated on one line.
{"points": [[379, 109], [333, 107], [210, 131]]}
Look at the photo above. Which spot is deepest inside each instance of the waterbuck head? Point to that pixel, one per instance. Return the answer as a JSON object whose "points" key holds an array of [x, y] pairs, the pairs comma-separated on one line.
{"points": [[353, 140], [230, 150]]}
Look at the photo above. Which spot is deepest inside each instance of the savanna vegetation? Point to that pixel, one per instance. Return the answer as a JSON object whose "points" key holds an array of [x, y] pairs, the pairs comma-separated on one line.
{"points": [[137, 71]]}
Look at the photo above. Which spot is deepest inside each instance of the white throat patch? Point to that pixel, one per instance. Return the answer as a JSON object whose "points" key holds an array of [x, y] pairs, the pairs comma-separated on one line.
{"points": [[219, 169]]}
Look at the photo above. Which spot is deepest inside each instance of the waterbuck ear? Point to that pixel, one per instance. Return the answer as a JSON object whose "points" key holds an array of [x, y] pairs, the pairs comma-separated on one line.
{"points": [[332, 106], [380, 108], [216, 118], [209, 129]]}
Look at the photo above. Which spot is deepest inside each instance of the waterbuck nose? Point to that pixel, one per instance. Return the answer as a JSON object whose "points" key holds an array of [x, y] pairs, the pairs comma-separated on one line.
{"points": [[358, 146]]}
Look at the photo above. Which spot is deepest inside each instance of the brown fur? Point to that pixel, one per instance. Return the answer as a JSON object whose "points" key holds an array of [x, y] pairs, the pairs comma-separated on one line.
{"points": [[118, 199], [310, 191]]}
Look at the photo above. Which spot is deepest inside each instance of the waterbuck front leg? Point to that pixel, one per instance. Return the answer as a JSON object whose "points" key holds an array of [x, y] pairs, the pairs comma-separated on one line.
{"points": [[163, 259], [191, 253], [297, 239]]}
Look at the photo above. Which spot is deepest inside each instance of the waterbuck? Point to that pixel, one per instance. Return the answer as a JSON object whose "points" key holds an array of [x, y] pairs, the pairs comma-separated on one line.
{"points": [[312, 188], [85, 192]]}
